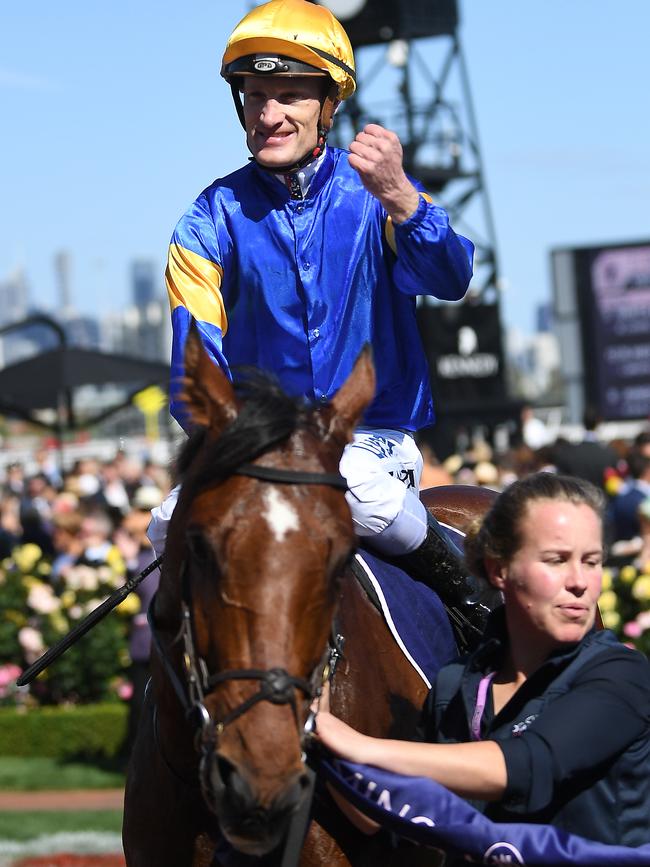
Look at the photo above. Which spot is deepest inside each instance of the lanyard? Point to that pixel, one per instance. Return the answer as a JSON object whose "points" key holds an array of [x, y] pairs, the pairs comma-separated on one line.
{"points": [[481, 699]]}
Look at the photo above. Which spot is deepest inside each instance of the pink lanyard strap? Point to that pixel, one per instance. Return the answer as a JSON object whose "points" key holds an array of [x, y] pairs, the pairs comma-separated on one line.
{"points": [[481, 699]]}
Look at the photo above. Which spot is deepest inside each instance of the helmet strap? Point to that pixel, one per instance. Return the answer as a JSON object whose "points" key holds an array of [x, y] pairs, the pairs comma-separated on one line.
{"points": [[236, 98]]}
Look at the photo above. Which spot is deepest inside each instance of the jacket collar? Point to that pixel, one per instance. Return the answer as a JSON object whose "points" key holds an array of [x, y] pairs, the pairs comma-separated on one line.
{"points": [[489, 655], [279, 191]]}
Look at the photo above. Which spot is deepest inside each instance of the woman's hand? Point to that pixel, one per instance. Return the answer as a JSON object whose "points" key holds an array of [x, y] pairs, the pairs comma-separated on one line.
{"points": [[344, 741]]}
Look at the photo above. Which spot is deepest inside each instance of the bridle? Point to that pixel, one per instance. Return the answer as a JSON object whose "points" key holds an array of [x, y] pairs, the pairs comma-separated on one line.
{"points": [[275, 685]]}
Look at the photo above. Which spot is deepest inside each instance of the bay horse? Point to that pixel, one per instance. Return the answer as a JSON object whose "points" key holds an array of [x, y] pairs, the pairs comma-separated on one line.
{"points": [[257, 562]]}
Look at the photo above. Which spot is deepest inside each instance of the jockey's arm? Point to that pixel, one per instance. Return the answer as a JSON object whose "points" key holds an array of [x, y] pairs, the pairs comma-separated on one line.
{"points": [[431, 258]]}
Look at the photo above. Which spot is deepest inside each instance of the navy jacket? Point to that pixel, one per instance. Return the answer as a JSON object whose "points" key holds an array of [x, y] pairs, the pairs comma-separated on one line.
{"points": [[575, 736]]}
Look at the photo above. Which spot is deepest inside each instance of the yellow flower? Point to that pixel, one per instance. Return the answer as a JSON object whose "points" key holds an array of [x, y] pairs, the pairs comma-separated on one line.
{"points": [[608, 601], [611, 619], [613, 485], [115, 560], [27, 556], [606, 583], [30, 582], [44, 568], [641, 588], [68, 598], [59, 623], [627, 574], [130, 606], [15, 617]]}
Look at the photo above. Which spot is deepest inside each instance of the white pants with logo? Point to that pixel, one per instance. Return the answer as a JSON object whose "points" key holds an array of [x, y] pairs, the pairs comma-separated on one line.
{"points": [[382, 468]]}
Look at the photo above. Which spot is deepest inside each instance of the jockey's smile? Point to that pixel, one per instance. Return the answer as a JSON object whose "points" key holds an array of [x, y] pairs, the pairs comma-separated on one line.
{"points": [[281, 117]]}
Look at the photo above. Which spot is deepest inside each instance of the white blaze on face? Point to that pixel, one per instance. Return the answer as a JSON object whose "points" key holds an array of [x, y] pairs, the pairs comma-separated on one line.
{"points": [[280, 515]]}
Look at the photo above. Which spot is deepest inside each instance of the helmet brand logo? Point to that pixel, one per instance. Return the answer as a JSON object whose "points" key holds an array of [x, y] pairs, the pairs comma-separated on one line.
{"points": [[267, 65]]}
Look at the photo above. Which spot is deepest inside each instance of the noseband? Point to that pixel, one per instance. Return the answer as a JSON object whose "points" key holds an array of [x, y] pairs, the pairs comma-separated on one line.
{"points": [[276, 685]]}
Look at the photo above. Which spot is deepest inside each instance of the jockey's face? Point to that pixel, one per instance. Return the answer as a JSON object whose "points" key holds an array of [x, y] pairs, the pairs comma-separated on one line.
{"points": [[281, 116]]}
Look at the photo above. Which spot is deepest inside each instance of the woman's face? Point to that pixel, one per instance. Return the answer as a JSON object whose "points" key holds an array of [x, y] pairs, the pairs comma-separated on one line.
{"points": [[552, 584]]}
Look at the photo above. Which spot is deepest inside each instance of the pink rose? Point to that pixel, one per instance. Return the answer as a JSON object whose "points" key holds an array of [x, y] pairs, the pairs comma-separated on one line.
{"points": [[9, 673], [632, 629], [125, 691]]}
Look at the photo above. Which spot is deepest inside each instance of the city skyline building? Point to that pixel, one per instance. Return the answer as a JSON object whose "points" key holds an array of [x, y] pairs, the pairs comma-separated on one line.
{"points": [[144, 280]]}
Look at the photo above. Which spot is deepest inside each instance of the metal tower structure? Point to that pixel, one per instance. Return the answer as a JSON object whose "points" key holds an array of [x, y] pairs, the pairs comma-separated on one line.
{"points": [[412, 78]]}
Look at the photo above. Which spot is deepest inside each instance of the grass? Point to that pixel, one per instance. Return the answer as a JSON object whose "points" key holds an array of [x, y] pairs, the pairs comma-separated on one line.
{"points": [[39, 773], [25, 826]]}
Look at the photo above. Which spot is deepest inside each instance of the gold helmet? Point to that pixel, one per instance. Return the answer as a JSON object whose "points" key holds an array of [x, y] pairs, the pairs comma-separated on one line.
{"points": [[292, 30], [288, 38]]}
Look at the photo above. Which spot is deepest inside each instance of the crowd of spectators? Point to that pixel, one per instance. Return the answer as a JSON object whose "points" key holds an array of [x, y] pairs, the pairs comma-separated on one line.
{"points": [[88, 515], [74, 514], [620, 467]]}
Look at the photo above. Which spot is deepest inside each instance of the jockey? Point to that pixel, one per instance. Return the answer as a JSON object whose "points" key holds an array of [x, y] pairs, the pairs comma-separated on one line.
{"points": [[308, 252]]}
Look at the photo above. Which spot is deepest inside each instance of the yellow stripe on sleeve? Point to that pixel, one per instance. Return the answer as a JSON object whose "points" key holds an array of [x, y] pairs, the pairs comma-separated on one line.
{"points": [[195, 283], [389, 231]]}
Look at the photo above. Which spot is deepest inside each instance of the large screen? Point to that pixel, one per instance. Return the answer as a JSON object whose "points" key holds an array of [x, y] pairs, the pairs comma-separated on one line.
{"points": [[613, 295]]}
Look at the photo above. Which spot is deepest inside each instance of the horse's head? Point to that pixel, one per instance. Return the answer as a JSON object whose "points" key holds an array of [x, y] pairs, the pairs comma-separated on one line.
{"points": [[252, 561]]}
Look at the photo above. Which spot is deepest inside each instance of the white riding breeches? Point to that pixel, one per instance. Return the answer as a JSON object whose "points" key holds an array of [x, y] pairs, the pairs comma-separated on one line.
{"points": [[382, 468]]}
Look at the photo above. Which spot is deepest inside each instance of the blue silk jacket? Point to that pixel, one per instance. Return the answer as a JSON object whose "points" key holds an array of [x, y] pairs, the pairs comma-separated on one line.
{"points": [[297, 287]]}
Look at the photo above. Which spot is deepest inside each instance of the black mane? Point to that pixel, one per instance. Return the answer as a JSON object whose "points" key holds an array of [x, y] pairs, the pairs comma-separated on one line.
{"points": [[267, 417]]}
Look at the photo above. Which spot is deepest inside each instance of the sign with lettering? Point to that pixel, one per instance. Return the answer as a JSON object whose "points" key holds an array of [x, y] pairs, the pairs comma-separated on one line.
{"points": [[613, 297], [465, 354]]}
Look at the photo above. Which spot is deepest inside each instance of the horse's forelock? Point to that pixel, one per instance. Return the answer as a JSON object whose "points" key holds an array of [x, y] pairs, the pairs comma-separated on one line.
{"points": [[267, 417]]}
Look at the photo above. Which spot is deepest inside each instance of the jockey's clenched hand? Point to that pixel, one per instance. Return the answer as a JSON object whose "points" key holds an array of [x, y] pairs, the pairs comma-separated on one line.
{"points": [[376, 155]]}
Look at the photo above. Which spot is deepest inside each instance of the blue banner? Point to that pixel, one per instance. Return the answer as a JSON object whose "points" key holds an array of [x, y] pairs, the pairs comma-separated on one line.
{"points": [[426, 812]]}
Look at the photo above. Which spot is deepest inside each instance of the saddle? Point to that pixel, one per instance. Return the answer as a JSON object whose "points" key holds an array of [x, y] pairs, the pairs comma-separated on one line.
{"points": [[438, 565]]}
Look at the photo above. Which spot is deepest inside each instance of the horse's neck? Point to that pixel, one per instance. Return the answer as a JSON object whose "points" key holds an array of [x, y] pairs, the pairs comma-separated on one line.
{"points": [[375, 688]]}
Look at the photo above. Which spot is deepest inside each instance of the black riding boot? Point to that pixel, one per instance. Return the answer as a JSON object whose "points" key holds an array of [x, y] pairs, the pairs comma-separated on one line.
{"points": [[438, 564]]}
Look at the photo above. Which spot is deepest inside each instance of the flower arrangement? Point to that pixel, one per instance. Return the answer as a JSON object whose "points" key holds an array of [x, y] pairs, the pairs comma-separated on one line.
{"points": [[625, 604], [35, 614]]}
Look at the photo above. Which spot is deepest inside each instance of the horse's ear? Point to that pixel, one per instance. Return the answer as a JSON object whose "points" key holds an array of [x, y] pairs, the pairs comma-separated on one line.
{"points": [[207, 391], [350, 401]]}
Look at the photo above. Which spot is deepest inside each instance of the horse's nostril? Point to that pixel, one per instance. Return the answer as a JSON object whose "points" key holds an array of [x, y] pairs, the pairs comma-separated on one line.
{"points": [[234, 786], [225, 769]]}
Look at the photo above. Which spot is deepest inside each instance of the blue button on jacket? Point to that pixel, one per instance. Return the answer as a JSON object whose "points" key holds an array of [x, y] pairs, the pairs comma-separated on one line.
{"points": [[298, 287]]}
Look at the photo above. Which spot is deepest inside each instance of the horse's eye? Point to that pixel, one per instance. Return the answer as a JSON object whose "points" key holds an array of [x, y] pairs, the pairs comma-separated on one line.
{"points": [[198, 547]]}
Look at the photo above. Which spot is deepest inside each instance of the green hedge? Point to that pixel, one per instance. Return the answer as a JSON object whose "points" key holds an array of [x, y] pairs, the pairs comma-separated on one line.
{"points": [[77, 731]]}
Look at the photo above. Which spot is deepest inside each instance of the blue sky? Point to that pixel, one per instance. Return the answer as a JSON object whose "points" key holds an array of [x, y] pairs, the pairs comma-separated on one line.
{"points": [[114, 117]]}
